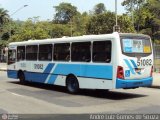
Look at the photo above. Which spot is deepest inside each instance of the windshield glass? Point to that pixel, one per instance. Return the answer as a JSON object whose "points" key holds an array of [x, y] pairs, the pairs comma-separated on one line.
{"points": [[11, 56], [136, 46]]}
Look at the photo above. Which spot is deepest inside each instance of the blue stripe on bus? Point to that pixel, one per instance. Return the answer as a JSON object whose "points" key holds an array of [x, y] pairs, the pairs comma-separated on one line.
{"points": [[36, 77], [93, 71], [135, 66], [52, 79], [121, 83], [39, 77], [49, 68], [129, 66]]}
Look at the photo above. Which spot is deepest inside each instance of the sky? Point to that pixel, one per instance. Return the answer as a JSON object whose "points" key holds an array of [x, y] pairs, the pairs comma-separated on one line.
{"points": [[44, 8]]}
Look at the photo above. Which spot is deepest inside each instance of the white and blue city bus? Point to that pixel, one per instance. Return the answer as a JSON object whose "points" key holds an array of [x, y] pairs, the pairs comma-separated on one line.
{"points": [[109, 61]]}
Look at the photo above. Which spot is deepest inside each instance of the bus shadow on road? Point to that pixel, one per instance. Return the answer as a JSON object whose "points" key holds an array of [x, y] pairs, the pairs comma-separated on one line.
{"points": [[102, 94], [113, 95]]}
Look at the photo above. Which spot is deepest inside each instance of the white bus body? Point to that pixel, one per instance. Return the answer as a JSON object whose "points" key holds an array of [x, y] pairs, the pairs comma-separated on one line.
{"points": [[130, 63]]}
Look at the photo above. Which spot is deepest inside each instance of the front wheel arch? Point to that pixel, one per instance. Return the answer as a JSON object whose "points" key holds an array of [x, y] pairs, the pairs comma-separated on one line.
{"points": [[21, 76]]}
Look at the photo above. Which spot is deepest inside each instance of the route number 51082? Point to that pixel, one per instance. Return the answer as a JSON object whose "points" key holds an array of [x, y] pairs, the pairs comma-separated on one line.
{"points": [[144, 62]]}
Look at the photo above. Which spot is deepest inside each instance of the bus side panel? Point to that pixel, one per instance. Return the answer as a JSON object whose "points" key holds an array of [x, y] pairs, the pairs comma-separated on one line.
{"points": [[38, 72], [11, 71], [36, 77], [89, 75], [92, 83], [85, 70], [12, 74]]}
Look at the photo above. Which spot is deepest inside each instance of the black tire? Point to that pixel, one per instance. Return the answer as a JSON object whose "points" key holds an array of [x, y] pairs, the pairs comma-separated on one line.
{"points": [[72, 84], [21, 77]]}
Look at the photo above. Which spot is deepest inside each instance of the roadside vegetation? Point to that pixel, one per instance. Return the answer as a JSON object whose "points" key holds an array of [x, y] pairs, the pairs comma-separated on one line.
{"points": [[142, 16]]}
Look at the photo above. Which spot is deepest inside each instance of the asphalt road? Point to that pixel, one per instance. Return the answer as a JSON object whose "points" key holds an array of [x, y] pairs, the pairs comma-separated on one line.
{"points": [[32, 98]]}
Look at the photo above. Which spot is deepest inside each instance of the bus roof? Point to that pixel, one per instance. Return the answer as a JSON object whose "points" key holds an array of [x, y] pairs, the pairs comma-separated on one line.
{"points": [[133, 34], [77, 38]]}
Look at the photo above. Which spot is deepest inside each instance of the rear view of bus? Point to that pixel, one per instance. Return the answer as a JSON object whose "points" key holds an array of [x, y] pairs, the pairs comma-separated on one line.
{"points": [[136, 61]]}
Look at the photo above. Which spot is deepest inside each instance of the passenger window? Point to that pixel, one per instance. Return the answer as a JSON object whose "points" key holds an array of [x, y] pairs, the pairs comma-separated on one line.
{"points": [[62, 51], [20, 53], [45, 52], [101, 51], [31, 52], [81, 51]]}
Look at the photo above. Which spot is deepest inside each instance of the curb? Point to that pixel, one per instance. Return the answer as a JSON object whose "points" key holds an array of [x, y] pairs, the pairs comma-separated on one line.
{"points": [[155, 86], [2, 69]]}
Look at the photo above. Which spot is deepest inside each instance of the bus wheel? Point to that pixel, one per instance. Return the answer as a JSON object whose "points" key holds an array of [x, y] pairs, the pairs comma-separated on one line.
{"points": [[72, 84], [21, 77]]}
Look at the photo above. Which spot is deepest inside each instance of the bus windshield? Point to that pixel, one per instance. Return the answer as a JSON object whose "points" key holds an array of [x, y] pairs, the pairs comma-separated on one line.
{"points": [[133, 46], [11, 56]]}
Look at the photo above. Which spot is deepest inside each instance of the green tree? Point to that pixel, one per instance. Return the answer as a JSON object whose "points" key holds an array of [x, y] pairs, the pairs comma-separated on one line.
{"points": [[64, 12], [154, 23], [137, 13], [4, 34], [146, 16], [99, 8], [31, 30], [59, 30], [98, 24], [125, 24], [132, 5], [103, 23], [4, 17], [79, 24]]}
